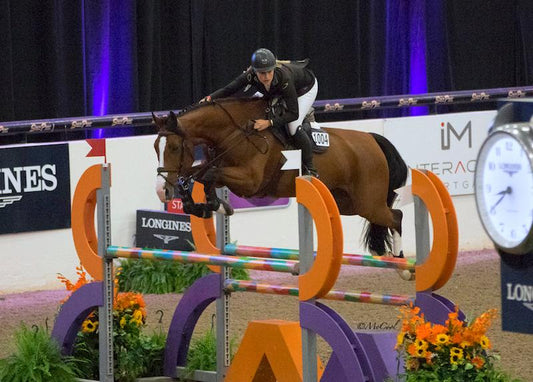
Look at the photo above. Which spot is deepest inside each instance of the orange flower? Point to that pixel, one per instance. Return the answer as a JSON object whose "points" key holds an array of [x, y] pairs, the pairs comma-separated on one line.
{"points": [[412, 350], [71, 287], [423, 331], [478, 362]]}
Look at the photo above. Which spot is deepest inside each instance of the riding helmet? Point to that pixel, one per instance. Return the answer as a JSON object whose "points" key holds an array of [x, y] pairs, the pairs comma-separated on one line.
{"points": [[263, 60]]}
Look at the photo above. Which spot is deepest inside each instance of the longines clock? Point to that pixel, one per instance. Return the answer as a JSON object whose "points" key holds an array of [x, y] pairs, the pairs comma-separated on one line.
{"points": [[504, 187]]}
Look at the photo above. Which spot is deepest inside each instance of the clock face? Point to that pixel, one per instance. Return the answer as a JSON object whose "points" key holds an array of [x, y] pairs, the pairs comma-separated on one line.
{"points": [[504, 191]]}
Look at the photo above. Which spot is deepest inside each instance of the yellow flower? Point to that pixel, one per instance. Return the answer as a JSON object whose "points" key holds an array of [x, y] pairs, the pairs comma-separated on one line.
{"points": [[421, 352], [443, 339], [138, 315], [123, 322], [456, 354], [454, 359], [484, 342], [89, 326], [399, 340], [421, 344]]}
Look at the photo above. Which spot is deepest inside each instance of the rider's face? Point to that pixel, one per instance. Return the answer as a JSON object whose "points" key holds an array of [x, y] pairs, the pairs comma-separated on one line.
{"points": [[265, 77]]}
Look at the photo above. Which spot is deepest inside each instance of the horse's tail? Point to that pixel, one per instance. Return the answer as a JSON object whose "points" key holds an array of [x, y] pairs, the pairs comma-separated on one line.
{"points": [[378, 238]]}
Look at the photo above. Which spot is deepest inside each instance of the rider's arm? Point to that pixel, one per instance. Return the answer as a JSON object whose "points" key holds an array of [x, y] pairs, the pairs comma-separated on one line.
{"points": [[288, 93], [233, 87]]}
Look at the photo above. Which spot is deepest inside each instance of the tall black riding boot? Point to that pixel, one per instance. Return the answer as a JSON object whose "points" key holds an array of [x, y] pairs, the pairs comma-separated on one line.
{"points": [[302, 142]]}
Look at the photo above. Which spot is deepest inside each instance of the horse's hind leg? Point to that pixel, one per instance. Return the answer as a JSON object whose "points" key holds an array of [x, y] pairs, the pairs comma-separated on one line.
{"points": [[397, 251]]}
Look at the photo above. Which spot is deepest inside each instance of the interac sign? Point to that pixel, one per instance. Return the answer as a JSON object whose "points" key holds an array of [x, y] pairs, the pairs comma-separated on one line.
{"points": [[446, 145]]}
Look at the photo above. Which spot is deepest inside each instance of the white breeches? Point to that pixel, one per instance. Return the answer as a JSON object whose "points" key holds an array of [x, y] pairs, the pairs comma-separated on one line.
{"points": [[305, 102]]}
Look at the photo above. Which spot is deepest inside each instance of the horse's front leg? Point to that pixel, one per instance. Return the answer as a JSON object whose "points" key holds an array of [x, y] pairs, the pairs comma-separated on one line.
{"points": [[213, 202], [189, 206]]}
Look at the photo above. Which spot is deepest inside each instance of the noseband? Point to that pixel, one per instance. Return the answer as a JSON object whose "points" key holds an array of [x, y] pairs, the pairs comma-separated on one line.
{"points": [[182, 182]]}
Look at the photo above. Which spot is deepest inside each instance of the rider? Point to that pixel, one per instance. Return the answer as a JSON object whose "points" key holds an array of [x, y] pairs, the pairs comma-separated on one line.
{"points": [[293, 83]]}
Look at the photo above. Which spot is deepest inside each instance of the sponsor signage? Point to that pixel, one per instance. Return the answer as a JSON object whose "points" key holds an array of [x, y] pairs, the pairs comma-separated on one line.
{"points": [[34, 188], [175, 206], [445, 144], [163, 230], [517, 296]]}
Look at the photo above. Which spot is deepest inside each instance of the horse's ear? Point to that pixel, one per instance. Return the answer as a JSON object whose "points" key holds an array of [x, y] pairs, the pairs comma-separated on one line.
{"points": [[156, 119], [175, 124], [173, 117]]}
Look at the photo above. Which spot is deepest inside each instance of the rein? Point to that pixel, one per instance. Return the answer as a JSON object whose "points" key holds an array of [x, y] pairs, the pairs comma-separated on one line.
{"points": [[183, 182], [237, 132]]}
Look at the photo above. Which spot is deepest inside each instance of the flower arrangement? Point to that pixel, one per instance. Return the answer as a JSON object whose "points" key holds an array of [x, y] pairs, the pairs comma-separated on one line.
{"points": [[456, 351], [135, 353]]}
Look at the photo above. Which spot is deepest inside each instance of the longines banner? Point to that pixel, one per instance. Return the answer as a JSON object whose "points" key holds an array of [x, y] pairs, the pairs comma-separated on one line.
{"points": [[34, 188], [445, 144], [517, 296], [164, 230]]}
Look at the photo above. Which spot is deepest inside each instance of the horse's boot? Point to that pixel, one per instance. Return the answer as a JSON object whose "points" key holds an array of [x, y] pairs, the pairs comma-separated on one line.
{"points": [[302, 142]]}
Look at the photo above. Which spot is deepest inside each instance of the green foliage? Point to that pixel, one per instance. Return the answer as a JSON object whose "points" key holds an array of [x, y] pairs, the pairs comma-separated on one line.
{"points": [[202, 353], [37, 359], [464, 374], [162, 276]]}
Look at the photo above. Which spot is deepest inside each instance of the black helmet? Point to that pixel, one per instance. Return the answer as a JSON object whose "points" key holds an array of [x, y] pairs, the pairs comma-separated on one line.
{"points": [[263, 60]]}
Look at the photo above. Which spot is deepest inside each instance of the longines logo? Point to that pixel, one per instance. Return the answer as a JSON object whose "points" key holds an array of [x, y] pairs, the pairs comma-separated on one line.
{"points": [[21, 180], [521, 293], [166, 224], [166, 238], [447, 129]]}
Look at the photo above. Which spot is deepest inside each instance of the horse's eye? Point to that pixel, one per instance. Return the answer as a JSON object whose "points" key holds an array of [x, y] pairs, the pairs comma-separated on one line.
{"points": [[174, 147]]}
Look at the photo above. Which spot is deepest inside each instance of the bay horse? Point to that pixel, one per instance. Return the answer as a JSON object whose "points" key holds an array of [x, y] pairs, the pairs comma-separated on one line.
{"points": [[361, 169]]}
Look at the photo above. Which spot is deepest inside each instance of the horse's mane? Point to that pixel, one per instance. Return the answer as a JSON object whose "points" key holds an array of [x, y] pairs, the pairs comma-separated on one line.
{"points": [[197, 105]]}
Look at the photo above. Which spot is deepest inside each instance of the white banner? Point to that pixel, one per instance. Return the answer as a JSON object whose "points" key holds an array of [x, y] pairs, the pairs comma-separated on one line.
{"points": [[445, 144]]}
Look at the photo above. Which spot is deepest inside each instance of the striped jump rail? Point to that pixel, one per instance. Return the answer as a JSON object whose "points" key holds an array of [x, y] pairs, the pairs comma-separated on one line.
{"points": [[231, 285], [260, 264], [293, 254]]}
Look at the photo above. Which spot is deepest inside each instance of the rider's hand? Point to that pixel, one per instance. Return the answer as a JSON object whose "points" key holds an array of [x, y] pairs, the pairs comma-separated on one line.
{"points": [[205, 99], [262, 124]]}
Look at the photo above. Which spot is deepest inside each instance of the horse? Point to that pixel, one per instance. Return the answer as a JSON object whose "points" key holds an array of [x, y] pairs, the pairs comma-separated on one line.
{"points": [[361, 169]]}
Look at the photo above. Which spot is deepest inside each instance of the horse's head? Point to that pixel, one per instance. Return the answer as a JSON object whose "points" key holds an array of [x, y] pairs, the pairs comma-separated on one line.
{"points": [[175, 154]]}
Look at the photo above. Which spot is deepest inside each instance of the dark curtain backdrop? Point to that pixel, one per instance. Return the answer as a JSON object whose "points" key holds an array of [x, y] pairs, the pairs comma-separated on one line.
{"points": [[92, 57]]}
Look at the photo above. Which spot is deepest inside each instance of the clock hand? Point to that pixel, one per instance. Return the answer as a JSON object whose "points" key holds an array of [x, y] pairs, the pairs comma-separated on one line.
{"points": [[508, 190]]}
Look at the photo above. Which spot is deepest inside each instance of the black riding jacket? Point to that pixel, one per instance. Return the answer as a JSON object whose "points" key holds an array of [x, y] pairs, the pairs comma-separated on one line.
{"points": [[289, 82]]}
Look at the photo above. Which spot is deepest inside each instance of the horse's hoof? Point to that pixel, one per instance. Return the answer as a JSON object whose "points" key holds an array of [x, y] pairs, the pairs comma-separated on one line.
{"points": [[225, 208], [406, 274]]}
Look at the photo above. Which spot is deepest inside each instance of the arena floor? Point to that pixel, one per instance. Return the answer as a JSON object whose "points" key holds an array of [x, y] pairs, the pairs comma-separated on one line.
{"points": [[475, 287]]}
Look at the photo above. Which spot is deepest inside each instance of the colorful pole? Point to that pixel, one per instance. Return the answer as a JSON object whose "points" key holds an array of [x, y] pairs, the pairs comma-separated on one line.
{"points": [[231, 285], [261, 264], [292, 254]]}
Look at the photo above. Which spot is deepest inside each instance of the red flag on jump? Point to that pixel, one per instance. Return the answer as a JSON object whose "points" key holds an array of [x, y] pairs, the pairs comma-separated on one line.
{"points": [[97, 147]]}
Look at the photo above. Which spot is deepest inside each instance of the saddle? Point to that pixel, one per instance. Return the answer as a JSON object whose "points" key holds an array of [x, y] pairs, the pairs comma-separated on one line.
{"points": [[319, 137]]}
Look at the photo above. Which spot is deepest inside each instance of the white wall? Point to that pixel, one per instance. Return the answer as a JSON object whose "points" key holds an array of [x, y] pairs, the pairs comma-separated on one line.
{"points": [[31, 261]]}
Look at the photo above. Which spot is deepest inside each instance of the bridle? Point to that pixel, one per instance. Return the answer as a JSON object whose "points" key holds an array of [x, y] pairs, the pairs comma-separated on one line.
{"points": [[164, 171], [183, 182]]}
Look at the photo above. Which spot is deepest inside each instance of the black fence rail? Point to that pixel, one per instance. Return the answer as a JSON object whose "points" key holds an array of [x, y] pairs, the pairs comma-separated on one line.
{"points": [[62, 129]]}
